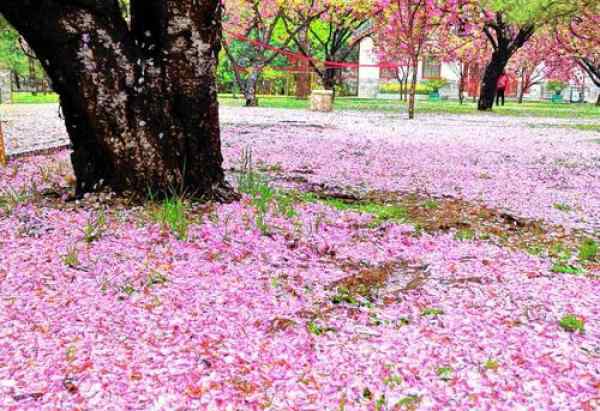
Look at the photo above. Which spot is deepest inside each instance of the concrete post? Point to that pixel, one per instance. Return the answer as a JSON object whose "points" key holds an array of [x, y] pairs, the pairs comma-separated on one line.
{"points": [[5, 87]]}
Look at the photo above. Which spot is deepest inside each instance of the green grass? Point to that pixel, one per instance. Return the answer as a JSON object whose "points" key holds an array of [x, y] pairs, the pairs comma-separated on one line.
{"points": [[572, 323], [381, 213], [533, 109], [29, 98]]}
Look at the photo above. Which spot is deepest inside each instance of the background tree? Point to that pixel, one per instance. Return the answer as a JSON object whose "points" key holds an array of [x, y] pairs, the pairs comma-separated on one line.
{"points": [[531, 64], [254, 36], [407, 29], [578, 38], [139, 102], [508, 26], [334, 37]]}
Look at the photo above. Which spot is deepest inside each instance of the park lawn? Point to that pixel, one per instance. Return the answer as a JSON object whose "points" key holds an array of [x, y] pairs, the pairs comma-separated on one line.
{"points": [[30, 98], [533, 109], [527, 109]]}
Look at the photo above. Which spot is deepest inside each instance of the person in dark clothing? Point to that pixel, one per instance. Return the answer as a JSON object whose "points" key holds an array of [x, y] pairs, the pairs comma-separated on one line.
{"points": [[501, 88]]}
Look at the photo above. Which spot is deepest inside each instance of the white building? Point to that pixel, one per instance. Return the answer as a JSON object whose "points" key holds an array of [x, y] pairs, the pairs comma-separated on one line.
{"points": [[370, 79]]}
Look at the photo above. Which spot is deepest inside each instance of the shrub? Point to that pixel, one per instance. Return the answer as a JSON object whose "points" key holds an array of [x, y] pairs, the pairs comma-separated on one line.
{"points": [[394, 88], [588, 250], [434, 85], [556, 86], [572, 323]]}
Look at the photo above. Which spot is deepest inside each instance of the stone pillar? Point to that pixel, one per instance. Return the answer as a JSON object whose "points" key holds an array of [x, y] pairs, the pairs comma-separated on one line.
{"points": [[5, 87], [368, 77]]}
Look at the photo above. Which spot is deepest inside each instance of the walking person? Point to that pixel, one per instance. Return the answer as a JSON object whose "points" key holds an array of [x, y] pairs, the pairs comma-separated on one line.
{"points": [[501, 88]]}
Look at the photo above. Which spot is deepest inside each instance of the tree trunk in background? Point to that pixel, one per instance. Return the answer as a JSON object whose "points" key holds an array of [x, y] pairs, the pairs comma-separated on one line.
{"points": [[490, 79], [598, 100], [303, 86], [413, 90], [140, 104], [250, 89], [329, 80], [507, 41]]}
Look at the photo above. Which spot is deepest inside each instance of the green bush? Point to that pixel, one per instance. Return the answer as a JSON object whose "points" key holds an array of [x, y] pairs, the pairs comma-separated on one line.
{"points": [[556, 86], [394, 88], [434, 85]]}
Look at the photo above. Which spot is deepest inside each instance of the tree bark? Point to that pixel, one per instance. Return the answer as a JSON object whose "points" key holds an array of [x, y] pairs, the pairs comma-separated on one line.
{"points": [[413, 90], [490, 79], [140, 103], [250, 89], [506, 42]]}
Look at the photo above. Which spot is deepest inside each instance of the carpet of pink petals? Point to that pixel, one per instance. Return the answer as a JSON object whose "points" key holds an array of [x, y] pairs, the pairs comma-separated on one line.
{"points": [[207, 337]]}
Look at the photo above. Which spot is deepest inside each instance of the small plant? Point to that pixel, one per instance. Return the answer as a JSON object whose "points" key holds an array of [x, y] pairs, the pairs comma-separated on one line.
{"points": [[10, 199], [367, 394], [445, 373], [127, 289], [71, 259], [172, 214], [572, 323], [156, 278], [588, 250], [491, 365], [343, 295], [565, 268], [556, 86], [431, 205], [432, 312], [393, 380], [563, 207], [95, 227], [409, 403], [465, 234], [434, 85], [314, 328]]}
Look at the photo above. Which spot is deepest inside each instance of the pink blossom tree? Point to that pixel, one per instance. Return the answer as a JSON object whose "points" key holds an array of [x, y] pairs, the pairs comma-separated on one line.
{"points": [[406, 31]]}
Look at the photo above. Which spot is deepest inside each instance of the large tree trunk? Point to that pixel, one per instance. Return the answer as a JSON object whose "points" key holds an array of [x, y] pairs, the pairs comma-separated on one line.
{"points": [[140, 104]]}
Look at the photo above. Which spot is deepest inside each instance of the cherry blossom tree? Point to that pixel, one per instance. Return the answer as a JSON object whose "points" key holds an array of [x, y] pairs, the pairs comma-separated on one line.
{"points": [[139, 99], [406, 29], [578, 38]]}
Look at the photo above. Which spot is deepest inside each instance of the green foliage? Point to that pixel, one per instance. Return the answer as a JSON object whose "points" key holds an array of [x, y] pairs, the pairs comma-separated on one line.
{"points": [[434, 85], [95, 227], [11, 198], [394, 88], [172, 214], [565, 268], [556, 86], [491, 364], [538, 12], [156, 278], [588, 250], [445, 373], [380, 212], [465, 234], [314, 328], [572, 323], [71, 258], [343, 295], [431, 205], [39, 98], [432, 312]]}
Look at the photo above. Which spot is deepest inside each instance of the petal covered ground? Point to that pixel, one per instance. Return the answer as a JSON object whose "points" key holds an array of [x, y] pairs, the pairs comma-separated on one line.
{"points": [[237, 317]]}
